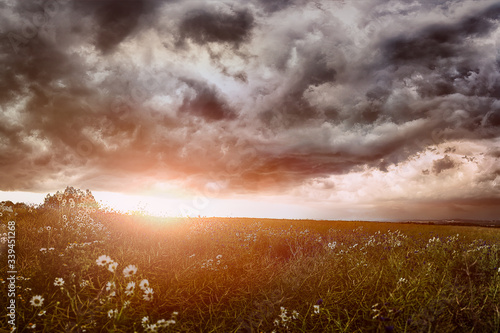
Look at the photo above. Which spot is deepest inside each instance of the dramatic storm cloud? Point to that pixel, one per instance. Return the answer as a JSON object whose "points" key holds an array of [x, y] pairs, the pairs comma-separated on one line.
{"points": [[353, 108]]}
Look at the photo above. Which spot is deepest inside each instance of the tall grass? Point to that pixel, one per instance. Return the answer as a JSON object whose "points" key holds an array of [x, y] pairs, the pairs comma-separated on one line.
{"points": [[249, 275]]}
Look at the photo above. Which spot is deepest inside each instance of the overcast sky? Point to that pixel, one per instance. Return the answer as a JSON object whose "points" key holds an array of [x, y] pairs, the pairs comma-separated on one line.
{"points": [[341, 109]]}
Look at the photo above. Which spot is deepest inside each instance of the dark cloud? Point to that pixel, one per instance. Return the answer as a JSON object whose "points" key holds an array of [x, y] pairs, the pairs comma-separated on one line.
{"points": [[492, 118], [292, 108], [450, 150], [495, 153], [442, 164], [38, 64], [266, 96], [275, 5], [447, 57], [441, 41], [207, 102], [489, 177], [115, 19], [204, 26]]}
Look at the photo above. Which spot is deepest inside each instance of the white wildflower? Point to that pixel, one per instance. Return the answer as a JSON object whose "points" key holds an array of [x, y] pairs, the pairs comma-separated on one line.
{"points": [[59, 282], [103, 260], [129, 270]]}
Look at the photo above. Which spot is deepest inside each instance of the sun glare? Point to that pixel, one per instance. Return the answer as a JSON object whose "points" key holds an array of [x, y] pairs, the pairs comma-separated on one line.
{"points": [[150, 205]]}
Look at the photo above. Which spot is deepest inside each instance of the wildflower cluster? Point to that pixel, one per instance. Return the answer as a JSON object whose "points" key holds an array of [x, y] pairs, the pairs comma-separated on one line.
{"points": [[246, 238], [479, 246], [45, 250], [81, 245], [5, 209], [213, 265], [284, 319], [332, 245], [402, 280], [434, 241], [83, 227], [105, 260], [148, 291], [128, 272], [160, 324]]}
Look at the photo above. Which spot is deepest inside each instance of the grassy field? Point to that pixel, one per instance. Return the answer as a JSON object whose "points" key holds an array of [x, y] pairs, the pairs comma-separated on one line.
{"points": [[80, 270]]}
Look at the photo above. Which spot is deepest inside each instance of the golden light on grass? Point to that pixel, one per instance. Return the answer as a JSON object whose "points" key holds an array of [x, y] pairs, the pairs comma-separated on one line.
{"points": [[297, 274]]}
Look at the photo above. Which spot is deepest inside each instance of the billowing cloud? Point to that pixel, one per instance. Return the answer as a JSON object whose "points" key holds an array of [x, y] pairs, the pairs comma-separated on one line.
{"points": [[324, 100]]}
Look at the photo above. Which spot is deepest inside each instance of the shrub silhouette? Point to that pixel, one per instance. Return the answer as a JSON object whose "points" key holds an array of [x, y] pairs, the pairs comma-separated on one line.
{"points": [[70, 194]]}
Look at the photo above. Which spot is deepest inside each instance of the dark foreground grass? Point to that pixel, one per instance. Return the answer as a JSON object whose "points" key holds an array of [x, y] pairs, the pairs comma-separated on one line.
{"points": [[248, 275]]}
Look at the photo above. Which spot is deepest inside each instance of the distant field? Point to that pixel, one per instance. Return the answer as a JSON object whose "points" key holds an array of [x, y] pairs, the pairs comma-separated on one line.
{"points": [[80, 270]]}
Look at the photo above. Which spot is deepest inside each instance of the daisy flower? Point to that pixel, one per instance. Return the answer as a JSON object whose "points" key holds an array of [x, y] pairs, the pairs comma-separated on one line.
{"points": [[84, 283], [41, 313], [129, 270], [103, 260], [148, 294], [316, 309], [151, 328], [36, 300], [110, 285], [113, 313], [58, 282], [144, 284], [129, 290], [112, 267]]}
